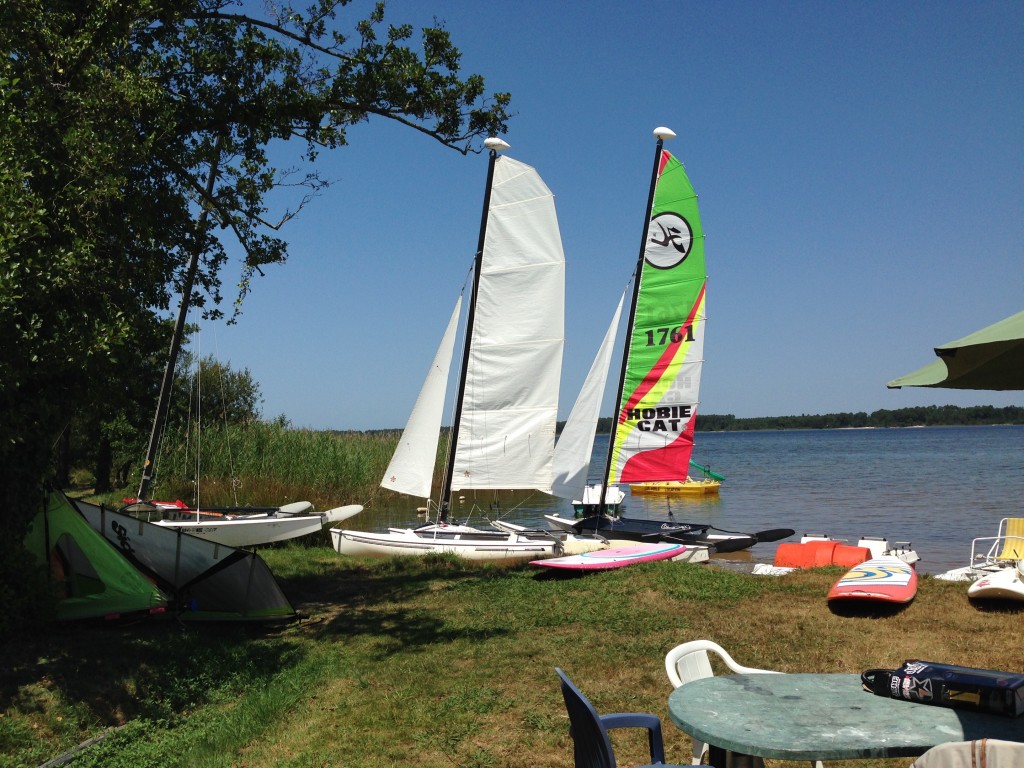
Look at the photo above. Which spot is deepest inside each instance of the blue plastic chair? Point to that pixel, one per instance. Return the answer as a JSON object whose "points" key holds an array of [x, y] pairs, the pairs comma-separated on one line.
{"points": [[591, 746]]}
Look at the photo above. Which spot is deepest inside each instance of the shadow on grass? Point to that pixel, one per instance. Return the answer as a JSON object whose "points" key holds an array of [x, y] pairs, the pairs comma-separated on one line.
{"points": [[865, 609], [152, 669], [160, 667], [360, 599], [994, 605]]}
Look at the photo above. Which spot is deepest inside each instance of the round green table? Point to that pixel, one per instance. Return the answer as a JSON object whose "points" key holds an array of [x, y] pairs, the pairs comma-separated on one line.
{"points": [[820, 717]]}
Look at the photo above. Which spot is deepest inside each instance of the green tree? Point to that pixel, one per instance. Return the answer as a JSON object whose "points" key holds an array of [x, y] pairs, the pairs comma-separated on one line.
{"points": [[134, 135], [212, 393]]}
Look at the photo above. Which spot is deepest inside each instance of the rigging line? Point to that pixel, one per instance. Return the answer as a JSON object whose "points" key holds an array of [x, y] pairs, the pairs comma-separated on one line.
{"points": [[514, 507], [224, 415], [199, 419], [186, 295]]}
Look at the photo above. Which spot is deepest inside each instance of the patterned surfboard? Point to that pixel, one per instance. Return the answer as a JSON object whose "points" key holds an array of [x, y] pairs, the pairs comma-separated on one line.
{"points": [[884, 579]]}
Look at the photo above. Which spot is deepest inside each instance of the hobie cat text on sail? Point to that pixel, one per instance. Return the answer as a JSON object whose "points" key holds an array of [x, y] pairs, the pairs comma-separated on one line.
{"points": [[661, 419]]}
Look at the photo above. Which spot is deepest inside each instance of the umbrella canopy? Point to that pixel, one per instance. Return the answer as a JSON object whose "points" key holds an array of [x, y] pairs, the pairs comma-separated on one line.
{"points": [[992, 358]]}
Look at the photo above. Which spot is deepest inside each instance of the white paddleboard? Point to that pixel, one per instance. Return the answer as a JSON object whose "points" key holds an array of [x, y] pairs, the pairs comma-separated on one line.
{"points": [[1004, 584]]}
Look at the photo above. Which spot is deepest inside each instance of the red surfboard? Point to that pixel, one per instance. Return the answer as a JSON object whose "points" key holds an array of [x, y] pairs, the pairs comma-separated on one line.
{"points": [[616, 557], [884, 579]]}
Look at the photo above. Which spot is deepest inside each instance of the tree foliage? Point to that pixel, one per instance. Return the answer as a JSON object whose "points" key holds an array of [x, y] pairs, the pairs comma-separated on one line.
{"points": [[134, 134], [209, 392]]}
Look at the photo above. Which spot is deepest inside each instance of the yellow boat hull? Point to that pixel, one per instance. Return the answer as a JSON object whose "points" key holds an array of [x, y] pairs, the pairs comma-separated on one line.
{"points": [[688, 487]]}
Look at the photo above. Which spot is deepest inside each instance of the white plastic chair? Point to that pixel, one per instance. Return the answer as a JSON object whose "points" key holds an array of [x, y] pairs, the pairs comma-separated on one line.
{"points": [[690, 661]]}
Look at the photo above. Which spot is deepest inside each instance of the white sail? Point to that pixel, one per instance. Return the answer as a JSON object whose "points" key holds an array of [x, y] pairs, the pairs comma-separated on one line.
{"points": [[576, 443], [411, 469], [510, 407]]}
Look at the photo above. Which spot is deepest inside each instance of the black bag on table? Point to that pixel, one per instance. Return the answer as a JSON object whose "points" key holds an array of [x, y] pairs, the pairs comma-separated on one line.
{"points": [[948, 685]]}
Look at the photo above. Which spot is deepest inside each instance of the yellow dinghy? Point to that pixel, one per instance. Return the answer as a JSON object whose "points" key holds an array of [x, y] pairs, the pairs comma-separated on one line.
{"points": [[688, 487]]}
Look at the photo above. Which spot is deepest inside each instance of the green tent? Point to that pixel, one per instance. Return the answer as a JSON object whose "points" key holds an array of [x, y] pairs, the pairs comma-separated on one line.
{"points": [[992, 358], [204, 581], [92, 579]]}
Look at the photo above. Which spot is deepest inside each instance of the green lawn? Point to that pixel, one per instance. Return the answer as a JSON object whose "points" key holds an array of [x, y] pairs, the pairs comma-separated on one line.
{"points": [[438, 662]]}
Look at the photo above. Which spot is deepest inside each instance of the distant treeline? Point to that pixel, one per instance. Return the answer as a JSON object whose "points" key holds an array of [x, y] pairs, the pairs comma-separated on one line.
{"points": [[923, 416]]}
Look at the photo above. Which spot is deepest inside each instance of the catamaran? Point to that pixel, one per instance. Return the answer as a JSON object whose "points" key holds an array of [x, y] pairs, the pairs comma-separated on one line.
{"points": [[503, 431], [248, 526], [659, 380], [237, 526]]}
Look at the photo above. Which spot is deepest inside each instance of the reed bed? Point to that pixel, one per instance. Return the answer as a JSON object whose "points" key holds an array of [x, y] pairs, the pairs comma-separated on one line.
{"points": [[261, 463]]}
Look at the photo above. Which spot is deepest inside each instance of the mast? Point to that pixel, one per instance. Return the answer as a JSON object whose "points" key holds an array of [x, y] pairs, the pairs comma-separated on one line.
{"points": [[495, 145], [164, 401], [661, 134]]}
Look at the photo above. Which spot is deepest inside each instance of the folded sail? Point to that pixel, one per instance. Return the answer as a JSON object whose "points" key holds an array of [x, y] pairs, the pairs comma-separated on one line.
{"points": [[507, 430], [411, 469], [653, 437], [576, 443]]}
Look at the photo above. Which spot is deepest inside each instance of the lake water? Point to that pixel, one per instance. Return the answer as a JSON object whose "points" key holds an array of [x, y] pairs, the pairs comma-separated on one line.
{"points": [[936, 487]]}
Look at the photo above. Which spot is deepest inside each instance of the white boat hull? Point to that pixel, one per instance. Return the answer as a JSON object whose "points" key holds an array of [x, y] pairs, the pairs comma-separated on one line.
{"points": [[247, 532], [967, 573], [471, 544], [340, 514], [251, 530], [1004, 584]]}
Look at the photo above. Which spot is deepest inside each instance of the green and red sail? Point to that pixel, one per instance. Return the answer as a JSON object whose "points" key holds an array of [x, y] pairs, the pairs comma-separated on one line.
{"points": [[653, 437]]}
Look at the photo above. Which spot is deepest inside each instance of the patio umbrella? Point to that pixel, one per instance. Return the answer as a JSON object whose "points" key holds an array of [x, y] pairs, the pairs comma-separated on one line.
{"points": [[992, 358]]}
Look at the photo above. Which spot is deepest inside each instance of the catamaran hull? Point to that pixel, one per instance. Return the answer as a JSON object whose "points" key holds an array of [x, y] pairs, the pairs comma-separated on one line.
{"points": [[256, 530], [469, 546], [628, 529], [247, 533]]}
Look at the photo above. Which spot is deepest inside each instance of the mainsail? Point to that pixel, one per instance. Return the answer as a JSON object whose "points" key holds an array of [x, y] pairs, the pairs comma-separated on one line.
{"points": [[503, 429], [506, 431], [653, 436]]}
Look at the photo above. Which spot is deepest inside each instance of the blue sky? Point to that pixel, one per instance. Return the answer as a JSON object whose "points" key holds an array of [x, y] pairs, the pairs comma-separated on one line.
{"points": [[860, 168]]}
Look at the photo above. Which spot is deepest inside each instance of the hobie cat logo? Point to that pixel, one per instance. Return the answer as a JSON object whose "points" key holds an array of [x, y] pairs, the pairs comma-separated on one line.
{"points": [[669, 239]]}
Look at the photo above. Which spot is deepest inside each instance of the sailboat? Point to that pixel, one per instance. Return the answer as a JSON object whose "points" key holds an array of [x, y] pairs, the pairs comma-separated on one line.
{"points": [[503, 431], [235, 526], [231, 526], [240, 526], [652, 435]]}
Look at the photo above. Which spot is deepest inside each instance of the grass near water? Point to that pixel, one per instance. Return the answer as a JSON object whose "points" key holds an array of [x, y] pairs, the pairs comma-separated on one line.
{"points": [[437, 662]]}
